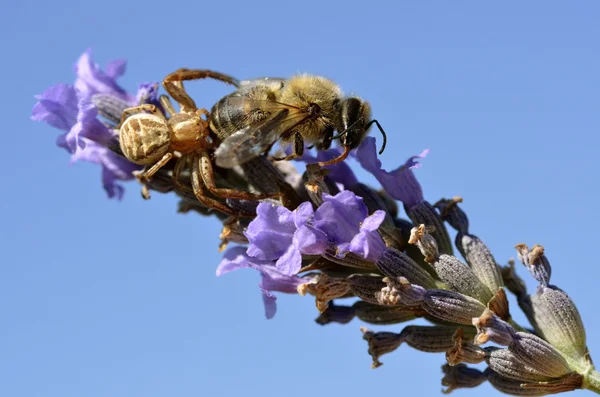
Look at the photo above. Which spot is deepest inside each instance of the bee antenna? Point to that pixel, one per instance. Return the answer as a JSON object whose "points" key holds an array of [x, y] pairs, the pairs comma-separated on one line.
{"points": [[382, 133]]}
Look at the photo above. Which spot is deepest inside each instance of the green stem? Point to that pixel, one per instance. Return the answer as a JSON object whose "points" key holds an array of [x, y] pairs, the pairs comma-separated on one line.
{"points": [[592, 381]]}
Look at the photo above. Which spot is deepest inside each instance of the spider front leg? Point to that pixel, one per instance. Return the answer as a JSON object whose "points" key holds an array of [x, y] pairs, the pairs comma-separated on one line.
{"points": [[208, 177], [144, 176], [297, 151], [173, 84], [197, 187], [139, 109]]}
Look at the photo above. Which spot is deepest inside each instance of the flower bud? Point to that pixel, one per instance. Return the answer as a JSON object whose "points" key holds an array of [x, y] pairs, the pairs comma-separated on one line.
{"points": [[460, 278], [384, 315], [481, 261], [452, 306], [558, 321], [400, 291], [515, 387], [315, 183], [431, 339], [350, 259], [538, 354], [395, 264], [368, 288]]}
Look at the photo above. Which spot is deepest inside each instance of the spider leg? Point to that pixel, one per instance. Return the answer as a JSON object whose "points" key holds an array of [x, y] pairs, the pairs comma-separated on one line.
{"points": [[208, 177], [197, 186]]}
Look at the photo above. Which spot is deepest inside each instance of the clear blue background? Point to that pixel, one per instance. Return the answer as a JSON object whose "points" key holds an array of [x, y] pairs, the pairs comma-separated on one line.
{"points": [[108, 298]]}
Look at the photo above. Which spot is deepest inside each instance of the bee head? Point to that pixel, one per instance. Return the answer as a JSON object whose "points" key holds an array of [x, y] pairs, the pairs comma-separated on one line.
{"points": [[355, 121], [355, 114]]}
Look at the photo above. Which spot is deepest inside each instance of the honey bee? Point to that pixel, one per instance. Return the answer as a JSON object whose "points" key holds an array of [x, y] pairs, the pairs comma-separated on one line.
{"points": [[303, 108], [151, 139]]}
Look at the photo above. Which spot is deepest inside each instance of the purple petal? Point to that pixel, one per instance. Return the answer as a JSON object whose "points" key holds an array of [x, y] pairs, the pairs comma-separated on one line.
{"points": [[373, 221], [339, 172], [148, 93], [116, 68], [57, 106], [290, 262], [269, 300], [310, 240], [91, 127], [234, 258], [303, 214], [367, 244], [92, 80], [114, 168], [401, 183], [271, 232], [340, 216], [274, 281]]}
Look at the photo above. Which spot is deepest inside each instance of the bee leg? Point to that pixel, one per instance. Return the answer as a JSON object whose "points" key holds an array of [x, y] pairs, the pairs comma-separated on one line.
{"points": [[208, 177], [138, 109], [336, 160], [144, 176], [197, 184], [296, 152]]}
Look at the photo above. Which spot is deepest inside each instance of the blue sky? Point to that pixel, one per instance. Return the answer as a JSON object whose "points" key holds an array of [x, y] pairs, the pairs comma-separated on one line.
{"points": [[108, 298]]}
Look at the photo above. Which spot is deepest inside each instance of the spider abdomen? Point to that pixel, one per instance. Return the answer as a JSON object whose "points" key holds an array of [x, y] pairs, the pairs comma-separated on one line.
{"points": [[144, 138]]}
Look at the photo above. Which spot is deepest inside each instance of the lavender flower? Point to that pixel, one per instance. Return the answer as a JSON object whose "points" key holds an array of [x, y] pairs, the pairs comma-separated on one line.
{"points": [[272, 280], [341, 222], [70, 108], [400, 183]]}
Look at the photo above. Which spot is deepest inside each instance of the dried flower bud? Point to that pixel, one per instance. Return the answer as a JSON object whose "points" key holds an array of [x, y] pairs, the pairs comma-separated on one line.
{"points": [[325, 289], [395, 264], [421, 236], [384, 315], [425, 213], [233, 231], [558, 321], [499, 305], [536, 262], [452, 306], [110, 106], [519, 388], [464, 350], [381, 343], [451, 213], [461, 377], [400, 291], [315, 183], [336, 314], [481, 260], [490, 327], [460, 278]]}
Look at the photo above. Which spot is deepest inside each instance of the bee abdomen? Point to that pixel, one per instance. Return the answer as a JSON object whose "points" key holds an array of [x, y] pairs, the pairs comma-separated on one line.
{"points": [[226, 118], [144, 138]]}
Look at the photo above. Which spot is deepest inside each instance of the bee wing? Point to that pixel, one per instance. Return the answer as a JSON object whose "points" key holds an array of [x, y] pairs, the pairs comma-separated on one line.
{"points": [[253, 140]]}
